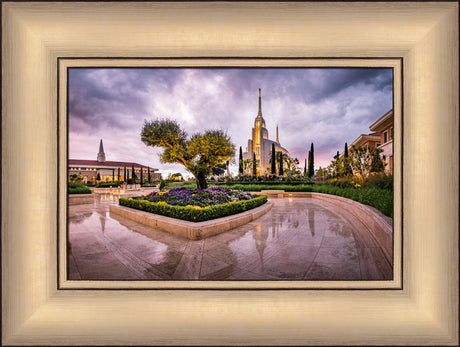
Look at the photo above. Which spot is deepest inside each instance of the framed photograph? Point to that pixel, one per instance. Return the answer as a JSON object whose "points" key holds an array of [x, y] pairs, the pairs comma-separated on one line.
{"points": [[306, 240], [55, 290]]}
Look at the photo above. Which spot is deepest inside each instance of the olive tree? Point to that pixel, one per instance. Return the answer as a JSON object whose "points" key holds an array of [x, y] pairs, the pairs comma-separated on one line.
{"points": [[198, 154]]}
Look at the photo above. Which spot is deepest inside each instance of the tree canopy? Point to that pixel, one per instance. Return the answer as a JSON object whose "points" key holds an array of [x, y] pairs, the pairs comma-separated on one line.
{"points": [[198, 154]]}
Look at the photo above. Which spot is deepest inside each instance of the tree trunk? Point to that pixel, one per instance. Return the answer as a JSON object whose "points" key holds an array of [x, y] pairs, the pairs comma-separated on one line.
{"points": [[201, 181]]}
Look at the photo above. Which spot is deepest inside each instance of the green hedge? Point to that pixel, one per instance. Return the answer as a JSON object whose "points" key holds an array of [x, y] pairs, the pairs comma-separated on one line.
{"points": [[108, 184], [261, 183], [194, 213], [79, 190], [259, 187], [381, 199]]}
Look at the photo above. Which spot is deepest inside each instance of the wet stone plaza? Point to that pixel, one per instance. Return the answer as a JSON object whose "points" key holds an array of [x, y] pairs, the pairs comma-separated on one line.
{"points": [[298, 239]]}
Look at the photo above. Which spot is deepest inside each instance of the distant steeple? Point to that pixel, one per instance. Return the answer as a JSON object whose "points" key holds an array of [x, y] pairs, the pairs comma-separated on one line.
{"points": [[277, 138], [101, 154]]}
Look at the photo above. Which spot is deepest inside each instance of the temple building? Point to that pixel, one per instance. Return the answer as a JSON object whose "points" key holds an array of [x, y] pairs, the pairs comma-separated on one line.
{"points": [[261, 145], [109, 170]]}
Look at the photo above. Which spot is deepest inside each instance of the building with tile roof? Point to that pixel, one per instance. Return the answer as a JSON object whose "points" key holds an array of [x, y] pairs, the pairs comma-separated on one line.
{"points": [[110, 170], [382, 137]]}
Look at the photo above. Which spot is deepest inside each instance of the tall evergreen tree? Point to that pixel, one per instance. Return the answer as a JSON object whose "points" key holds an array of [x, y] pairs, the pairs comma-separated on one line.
{"points": [[118, 178], [254, 164], [311, 161], [113, 175], [141, 176], [148, 173], [273, 159], [347, 171], [305, 168], [133, 175], [240, 162], [281, 171], [124, 175]]}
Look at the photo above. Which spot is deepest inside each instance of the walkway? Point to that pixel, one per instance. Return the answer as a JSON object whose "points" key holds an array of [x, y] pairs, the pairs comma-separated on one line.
{"points": [[297, 240]]}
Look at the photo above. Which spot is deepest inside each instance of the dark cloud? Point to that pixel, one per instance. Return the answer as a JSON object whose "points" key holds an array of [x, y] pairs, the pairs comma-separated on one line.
{"points": [[326, 106]]}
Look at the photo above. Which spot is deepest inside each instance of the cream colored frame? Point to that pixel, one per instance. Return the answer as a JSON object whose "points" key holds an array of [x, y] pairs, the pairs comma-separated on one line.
{"points": [[424, 312]]}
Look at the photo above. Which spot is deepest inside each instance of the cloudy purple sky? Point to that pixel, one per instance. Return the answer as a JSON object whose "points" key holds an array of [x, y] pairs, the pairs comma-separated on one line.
{"points": [[326, 106]]}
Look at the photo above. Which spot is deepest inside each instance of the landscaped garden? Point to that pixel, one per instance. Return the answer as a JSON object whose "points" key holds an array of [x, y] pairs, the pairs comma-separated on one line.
{"points": [[194, 204], [75, 185], [375, 190]]}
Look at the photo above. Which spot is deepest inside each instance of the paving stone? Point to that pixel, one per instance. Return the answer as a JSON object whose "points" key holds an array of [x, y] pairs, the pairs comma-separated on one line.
{"points": [[299, 239]]}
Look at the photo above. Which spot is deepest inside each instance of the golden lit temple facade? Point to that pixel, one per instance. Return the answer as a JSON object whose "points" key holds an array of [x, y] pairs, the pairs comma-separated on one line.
{"points": [[261, 145]]}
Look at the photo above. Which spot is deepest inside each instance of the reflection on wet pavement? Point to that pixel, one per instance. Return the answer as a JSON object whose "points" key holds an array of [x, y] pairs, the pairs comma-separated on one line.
{"points": [[299, 239]]}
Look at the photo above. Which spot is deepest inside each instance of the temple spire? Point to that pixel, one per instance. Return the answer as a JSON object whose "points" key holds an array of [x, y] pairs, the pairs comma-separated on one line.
{"points": [[277, 138], [260, 102], [101, 154]]}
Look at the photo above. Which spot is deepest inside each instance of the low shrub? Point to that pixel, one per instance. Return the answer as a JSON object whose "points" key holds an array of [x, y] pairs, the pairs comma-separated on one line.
{"points": [[286, 187], [194, 213], [79, 190], [108, 184], [381, 199], [75, 185], [153, 184], [380, 181], [264, 183], [189, 185]]}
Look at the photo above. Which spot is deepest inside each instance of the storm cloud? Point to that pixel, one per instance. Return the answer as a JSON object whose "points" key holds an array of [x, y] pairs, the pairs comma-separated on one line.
{"points": [[326, 106]]}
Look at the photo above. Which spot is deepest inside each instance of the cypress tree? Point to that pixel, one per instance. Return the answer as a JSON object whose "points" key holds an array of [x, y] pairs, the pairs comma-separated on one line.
{"points": [[113, 175], [148, 173], [273, 159], [132, 174], [254, 164], [141, 176], [305, 168], [345, 152], [118, 178], [281, 173], [124, 175], [240, 161], [311, 165], [337, 155]]}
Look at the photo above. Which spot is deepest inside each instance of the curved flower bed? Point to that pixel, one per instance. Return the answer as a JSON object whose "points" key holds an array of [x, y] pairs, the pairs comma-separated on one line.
{"points": [[195, 197], [194, 205]]}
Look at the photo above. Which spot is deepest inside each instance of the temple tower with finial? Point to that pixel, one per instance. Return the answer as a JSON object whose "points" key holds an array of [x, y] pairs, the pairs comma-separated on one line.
{"points": [[101, 154], [260, 144]]}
